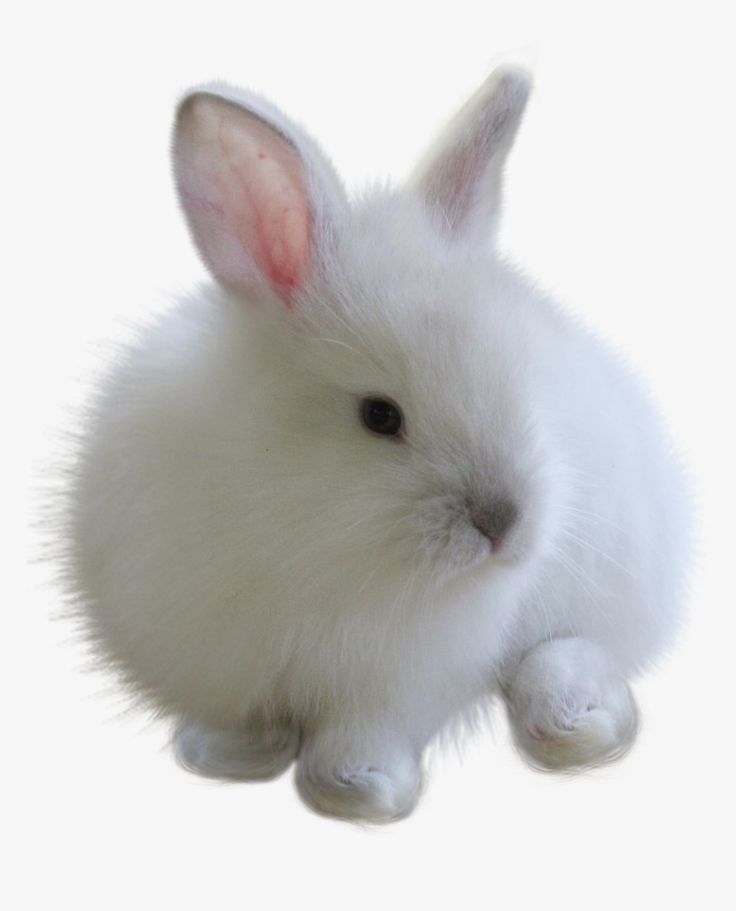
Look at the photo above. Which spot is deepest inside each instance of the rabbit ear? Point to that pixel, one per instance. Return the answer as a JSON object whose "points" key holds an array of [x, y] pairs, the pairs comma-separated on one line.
{"points": [[461, 176], [259, 197]]}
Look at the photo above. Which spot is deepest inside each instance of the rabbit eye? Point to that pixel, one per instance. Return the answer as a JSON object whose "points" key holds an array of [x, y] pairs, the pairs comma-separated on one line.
{"points": [[382, 416]]}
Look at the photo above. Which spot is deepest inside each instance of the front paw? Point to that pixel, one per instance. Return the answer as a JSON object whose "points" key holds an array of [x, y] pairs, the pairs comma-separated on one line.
{"points": [[578, 736], [374, 792], [569, 709]]}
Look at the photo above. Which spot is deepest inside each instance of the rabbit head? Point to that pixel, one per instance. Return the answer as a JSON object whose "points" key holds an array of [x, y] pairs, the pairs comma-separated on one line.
{"points": [[392, 398]]}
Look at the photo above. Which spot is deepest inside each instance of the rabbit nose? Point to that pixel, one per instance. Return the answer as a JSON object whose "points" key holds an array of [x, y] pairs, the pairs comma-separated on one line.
{"points": [[495, 520]]}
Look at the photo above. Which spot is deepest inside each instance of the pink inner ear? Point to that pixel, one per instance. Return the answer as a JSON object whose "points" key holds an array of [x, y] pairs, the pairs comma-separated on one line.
{"points": [[275, 224], [459, 175], [244, 189]]}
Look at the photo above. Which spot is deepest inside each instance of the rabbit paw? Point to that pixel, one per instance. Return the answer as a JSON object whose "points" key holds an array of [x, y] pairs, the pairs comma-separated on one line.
{"points": [[568, 707], [359, 792], [256, 753]]}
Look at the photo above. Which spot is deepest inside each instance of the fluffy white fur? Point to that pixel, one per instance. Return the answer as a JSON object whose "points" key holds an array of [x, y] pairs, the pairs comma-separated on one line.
{"points": [[285, 583]]}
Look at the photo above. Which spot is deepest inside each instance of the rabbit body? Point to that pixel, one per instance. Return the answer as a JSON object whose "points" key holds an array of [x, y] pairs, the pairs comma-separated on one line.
{"points": [[282, 580]]}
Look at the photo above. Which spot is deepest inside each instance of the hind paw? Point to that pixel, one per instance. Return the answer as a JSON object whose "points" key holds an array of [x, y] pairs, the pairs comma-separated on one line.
{"points": [[257, 752]]}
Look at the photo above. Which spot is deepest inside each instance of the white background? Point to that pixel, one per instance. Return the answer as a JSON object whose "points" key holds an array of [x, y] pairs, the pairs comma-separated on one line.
{"points": [[621, 199]]}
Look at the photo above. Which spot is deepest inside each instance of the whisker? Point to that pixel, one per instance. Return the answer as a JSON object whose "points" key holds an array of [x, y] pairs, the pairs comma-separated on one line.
{"points": [[592, 515], [582, 578], [577, 572], [585, 543]]}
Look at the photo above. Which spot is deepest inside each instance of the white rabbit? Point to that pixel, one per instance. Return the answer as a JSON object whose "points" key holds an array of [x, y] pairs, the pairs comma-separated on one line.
{"points": [[370, 478]]}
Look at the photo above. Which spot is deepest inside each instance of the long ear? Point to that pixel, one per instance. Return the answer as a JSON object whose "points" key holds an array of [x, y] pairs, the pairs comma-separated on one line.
{"points": [[460, 178], [260, 198]]}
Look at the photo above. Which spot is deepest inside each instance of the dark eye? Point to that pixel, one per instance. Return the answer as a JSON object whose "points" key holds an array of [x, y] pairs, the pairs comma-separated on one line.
{"points": [[381, 416]]}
